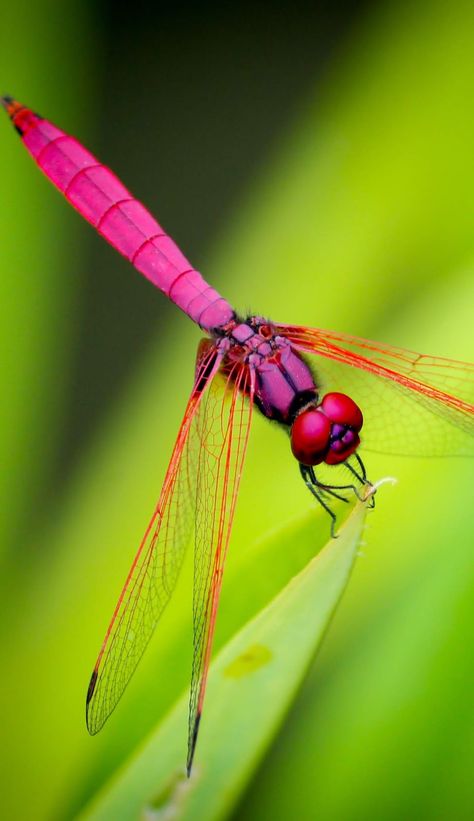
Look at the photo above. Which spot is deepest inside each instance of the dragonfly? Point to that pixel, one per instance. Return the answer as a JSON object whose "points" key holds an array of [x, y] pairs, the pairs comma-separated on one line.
{"points": [[333, 393]]}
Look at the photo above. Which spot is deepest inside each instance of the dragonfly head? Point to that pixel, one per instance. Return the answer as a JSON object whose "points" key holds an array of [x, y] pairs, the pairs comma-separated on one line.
{"points": [[327, 433]]}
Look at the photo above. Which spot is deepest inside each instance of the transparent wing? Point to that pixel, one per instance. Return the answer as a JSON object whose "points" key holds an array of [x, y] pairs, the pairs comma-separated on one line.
{"points": [[156, 566], [223, 425], [413, 404]]}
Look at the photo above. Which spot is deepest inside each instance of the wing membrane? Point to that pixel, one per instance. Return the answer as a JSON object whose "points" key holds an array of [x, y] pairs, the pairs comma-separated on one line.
{"points": [[156, 566], [223, 424], [413, 404]]}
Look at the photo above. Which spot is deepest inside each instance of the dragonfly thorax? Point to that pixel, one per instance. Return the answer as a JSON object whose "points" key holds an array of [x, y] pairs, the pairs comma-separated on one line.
{"points": [[284, 383], [321, 430]]}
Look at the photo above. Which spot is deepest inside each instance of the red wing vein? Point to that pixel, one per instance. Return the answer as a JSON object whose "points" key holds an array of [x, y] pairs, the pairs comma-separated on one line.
{"points": [[413, 404], [156, 567], [224, 420]]}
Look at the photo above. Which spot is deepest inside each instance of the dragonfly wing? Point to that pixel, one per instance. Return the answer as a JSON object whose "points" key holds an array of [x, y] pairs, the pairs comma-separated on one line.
{"points": [[155, 569], [223, 425], [413, 404]]}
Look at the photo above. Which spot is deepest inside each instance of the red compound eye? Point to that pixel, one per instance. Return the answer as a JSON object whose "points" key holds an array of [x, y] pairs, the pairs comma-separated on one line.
{"points": [[328, 433], [343, 410], [346, 421], [341, 446], [310, 437]]}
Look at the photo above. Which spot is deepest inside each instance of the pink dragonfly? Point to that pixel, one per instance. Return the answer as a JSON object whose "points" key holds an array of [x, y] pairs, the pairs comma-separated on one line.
{"points": [[412, 404]]}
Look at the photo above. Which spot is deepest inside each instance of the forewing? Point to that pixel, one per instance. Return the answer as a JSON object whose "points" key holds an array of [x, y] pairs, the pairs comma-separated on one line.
{"points": [[413, 404], [223, 425], [155, 569]]}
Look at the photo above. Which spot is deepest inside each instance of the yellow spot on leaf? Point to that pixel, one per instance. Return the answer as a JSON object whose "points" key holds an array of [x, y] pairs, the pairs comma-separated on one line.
{"points": [[254, 657]]}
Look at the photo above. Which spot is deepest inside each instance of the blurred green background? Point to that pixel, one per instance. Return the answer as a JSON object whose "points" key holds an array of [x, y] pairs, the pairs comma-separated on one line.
{"points": [[315, 162]]}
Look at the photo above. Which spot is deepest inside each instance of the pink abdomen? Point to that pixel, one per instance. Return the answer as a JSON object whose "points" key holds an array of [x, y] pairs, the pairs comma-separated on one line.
{"points": [[102, 199]]}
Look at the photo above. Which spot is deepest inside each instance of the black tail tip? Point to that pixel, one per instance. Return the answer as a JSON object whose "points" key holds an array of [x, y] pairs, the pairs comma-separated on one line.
{"points": [[6, 101]]}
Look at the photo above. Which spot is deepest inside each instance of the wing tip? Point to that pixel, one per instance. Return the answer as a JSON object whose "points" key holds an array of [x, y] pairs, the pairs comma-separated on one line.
{"points": [[192, 745], [91, 728], [91, 687]]}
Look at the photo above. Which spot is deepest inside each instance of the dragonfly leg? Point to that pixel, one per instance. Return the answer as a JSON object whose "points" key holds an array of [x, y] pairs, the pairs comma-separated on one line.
{"points": [[327, 489], [331, 489], [313, 488], [362, 478], [362, 467]]}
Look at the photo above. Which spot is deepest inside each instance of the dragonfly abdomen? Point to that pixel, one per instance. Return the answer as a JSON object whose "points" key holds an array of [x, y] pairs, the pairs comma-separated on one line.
{"points": [[105, 202]]}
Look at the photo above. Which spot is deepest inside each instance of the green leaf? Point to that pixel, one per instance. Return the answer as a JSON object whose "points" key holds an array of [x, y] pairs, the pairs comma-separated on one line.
{"points": [[251, 685]]}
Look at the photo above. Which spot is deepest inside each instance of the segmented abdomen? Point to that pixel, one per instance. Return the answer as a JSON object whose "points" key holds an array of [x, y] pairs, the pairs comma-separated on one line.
{"points": [[102, 199]]}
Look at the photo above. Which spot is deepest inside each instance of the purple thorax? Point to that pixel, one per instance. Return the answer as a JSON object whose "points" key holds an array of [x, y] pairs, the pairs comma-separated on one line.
{"points": [[283, 381]]}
